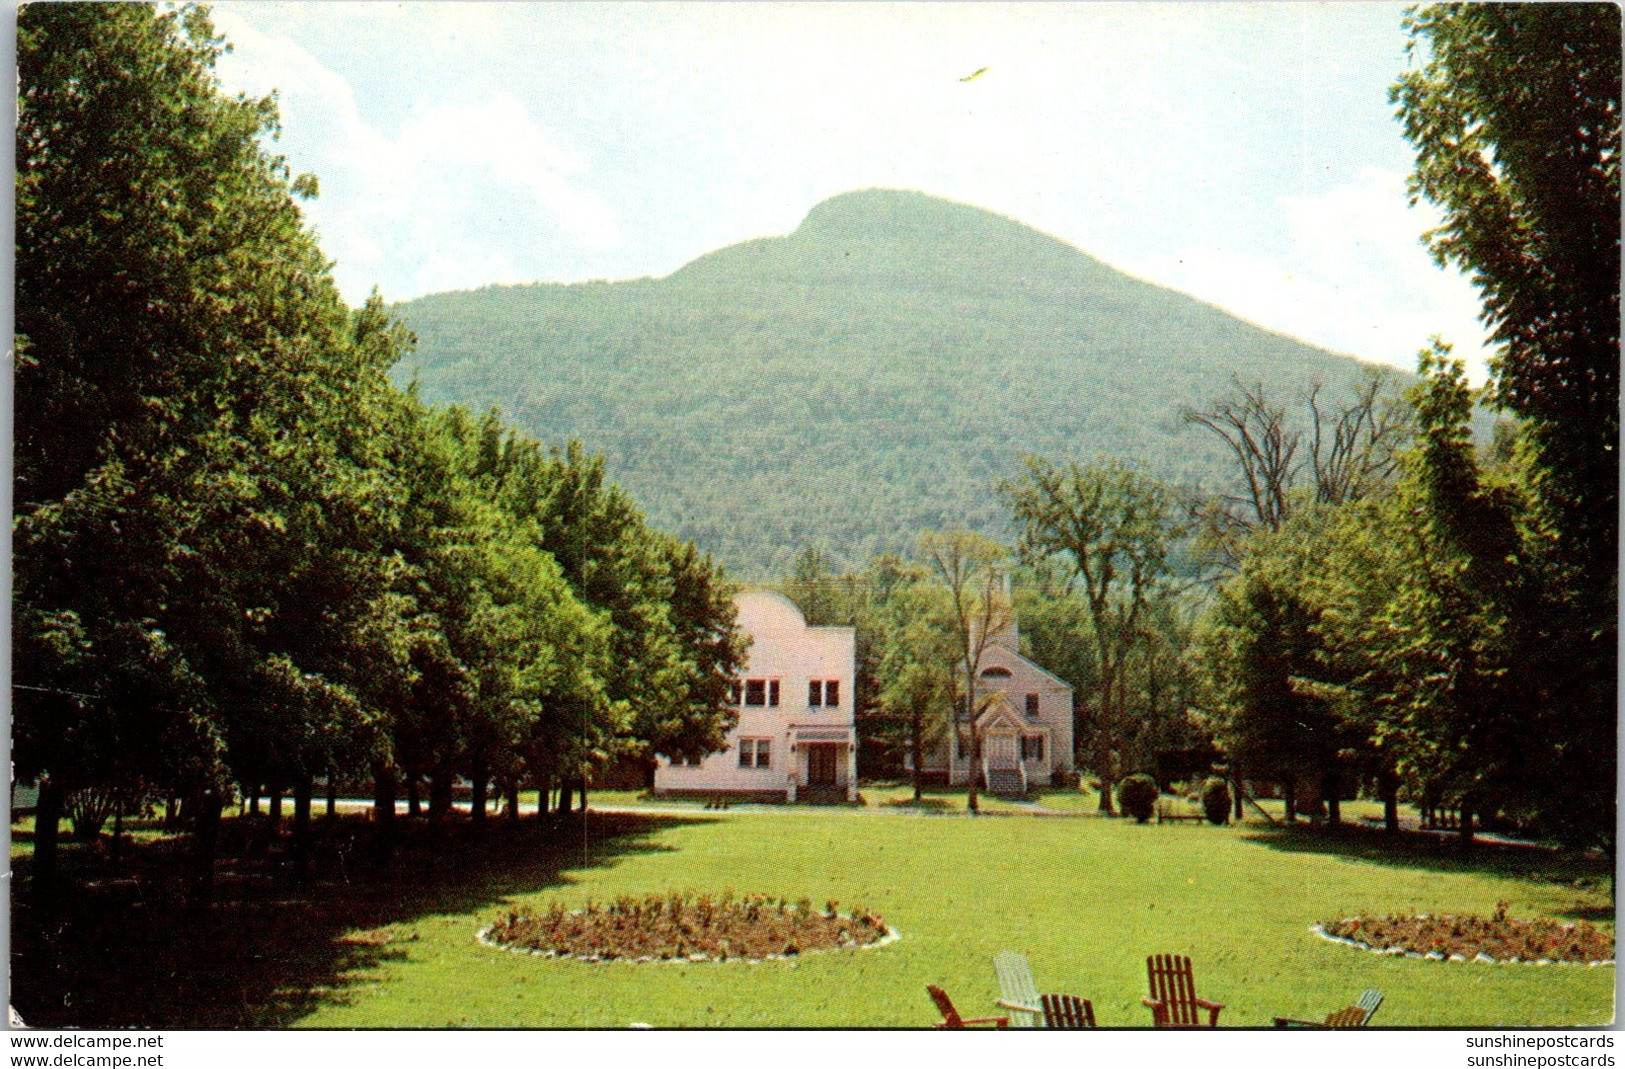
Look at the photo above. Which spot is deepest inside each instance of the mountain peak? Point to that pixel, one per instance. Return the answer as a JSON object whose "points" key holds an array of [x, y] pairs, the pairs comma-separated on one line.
{"points": [[880, 214]]}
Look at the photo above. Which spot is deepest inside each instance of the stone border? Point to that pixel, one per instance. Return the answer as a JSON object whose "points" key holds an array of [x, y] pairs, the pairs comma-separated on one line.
{"points": [[483, 936], [1401, 952]]}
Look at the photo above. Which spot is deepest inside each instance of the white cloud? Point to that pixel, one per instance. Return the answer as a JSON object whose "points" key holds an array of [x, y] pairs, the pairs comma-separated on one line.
{"points": [[464, 193], [1354, 277]]}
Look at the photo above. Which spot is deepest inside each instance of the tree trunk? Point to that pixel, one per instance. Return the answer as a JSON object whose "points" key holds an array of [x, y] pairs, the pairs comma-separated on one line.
{"points": [[170, 803], [1464, 827], [332, 795], [302, 791], [47, 833], [916, 748], [274, 807], [440, 795], [1235, 795], [383, 815], [1289, 792], [1388, 787], [414, 802], [254, 800], [544, 787], [207, 843], [476, 806], [565, 788], [1330, 787], [513, 801]]}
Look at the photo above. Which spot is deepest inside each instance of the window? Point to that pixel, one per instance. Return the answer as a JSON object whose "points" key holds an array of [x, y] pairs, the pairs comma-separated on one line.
{"points": [[832, 692], [961, 747], [735, 692], [996, 672], [686, 762], [762, 692], [823, 692], [1032, 746], [1032, 707], [773, 692], [815, 692], [755, 753]]}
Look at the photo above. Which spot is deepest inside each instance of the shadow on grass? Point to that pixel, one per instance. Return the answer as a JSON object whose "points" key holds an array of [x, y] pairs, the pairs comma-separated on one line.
{"points": [[927, 805], [118, 948], [1591, 875]]}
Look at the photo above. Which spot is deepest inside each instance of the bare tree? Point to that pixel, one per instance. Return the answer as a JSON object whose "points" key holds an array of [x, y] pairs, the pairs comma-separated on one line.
{"points": [[1352, 451], [970, 568]]}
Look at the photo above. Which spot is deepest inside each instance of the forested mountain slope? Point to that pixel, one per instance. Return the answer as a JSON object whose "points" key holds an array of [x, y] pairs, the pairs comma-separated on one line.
{"points": [[869, 376]]}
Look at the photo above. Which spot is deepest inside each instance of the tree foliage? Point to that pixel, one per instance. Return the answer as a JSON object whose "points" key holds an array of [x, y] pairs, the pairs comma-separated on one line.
{"points": [[1514, 111], [1113, 526], [242, 557]]}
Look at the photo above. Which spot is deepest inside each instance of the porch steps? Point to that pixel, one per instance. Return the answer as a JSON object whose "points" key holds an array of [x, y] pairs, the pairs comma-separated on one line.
{"points": [[1004, 782]]}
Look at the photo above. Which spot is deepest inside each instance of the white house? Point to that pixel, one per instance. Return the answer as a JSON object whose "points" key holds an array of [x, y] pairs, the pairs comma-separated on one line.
{"points": [[796, 738], [1025, 724]]}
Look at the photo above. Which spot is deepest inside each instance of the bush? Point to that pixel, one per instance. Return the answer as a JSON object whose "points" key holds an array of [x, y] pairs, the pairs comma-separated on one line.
{"points": [[1137, 796], [1216, 800]]}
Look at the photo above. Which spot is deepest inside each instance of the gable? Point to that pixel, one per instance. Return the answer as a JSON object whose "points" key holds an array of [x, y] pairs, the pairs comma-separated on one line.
{"points": [[1020, 669]]}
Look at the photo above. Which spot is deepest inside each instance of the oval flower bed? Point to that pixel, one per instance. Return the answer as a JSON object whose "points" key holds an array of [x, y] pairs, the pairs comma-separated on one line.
{"points": [[685, 927], [1470, 938]]}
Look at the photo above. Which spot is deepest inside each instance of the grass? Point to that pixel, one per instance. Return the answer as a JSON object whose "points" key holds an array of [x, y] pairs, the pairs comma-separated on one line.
{"points": [[1086, 899]]}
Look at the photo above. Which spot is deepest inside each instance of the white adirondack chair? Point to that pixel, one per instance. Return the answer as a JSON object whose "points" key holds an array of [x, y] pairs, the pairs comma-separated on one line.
{"points": [[1017, 992]]}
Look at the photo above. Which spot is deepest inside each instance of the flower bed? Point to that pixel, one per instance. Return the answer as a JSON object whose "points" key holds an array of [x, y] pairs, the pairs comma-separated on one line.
{"points": [[686, 927], [1470, 938]]}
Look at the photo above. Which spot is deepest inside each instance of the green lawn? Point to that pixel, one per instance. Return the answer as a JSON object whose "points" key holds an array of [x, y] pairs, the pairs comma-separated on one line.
{"points": [[1086, 899]]}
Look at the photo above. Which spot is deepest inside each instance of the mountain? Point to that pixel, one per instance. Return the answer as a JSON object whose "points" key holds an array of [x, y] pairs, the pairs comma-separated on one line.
{"points": [[867, 377]]}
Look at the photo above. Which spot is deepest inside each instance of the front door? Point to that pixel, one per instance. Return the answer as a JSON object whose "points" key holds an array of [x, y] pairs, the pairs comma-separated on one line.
{"points": [[821, 765], [1001, 751]]}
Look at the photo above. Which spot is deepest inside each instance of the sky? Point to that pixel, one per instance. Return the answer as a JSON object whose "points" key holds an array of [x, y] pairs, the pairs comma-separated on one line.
{"points": [[1242, 153]]}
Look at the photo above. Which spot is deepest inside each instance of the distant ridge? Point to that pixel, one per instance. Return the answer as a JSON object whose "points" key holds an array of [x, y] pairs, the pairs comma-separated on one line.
{"points": [[864, 378]]}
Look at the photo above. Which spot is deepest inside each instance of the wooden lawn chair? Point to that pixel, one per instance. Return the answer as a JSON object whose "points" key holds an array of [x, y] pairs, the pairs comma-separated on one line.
{"points": [[950, 1016], [1067, 1011], [1017, 992], [1173, 998], [1355, 1016]]}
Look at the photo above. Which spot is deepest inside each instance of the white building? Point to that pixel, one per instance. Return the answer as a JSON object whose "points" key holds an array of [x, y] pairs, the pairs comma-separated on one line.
{"points": [[796, 738], [1025, 725]]}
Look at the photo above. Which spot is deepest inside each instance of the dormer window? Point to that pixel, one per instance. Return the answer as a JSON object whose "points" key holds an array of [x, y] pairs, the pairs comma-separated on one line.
{"points": [[996, 672]]}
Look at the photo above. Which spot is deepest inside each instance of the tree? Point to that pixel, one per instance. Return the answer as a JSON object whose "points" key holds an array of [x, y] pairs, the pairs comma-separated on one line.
{"points": [[1514, 111], [1352, 451], [916, 671], [1270, 696], [195, 461], [970, 571], [1114, 526]]}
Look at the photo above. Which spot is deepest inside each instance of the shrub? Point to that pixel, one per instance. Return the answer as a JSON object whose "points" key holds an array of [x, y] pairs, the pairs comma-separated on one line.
{"points": [[1137, 795], [1216, 800]]}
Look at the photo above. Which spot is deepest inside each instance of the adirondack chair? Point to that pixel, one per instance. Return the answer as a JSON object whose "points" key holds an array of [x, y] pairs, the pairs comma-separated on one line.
{"points": [[1347, 1017], [1355, 1016], [950, 1016], [1067, 1011], [1173, 998], [1017, 992]]}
